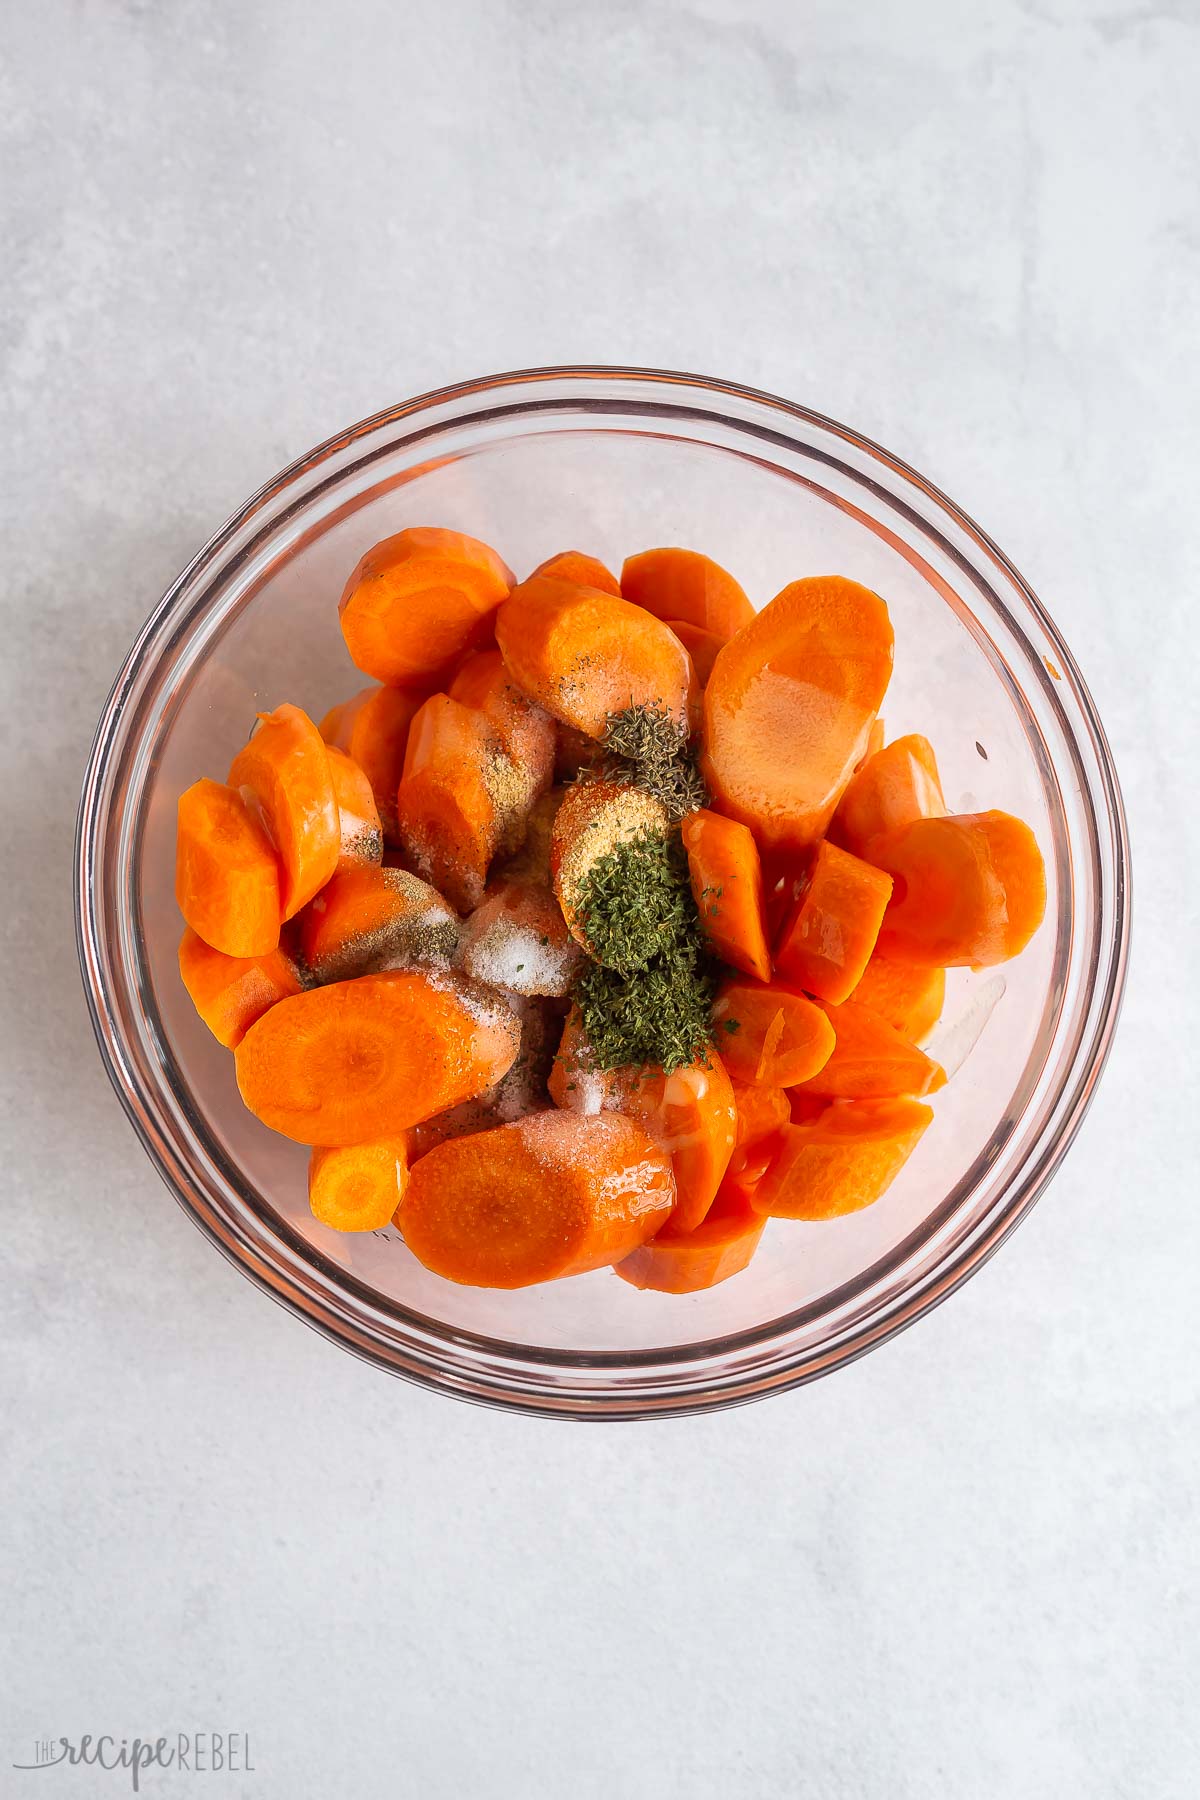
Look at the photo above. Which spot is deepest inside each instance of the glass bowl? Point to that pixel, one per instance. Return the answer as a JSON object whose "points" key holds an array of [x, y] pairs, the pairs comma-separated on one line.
{"points": [[609, 461]]}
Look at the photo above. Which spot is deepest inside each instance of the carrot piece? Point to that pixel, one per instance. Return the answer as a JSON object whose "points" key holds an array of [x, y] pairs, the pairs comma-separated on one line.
{"points": [[727, 885], [909, 998], [583, 654], [702, 646], [870, 1060], [519, 1092], [226, 872], [372, 729], [762, 1112], [842, 1161], [676, 1261], [367, 918], [526, 732], [771, 1035], [285, 766], [359, 1059], [447, 802], [360, 832], [517, 939], [417, 601], [829, 935], [682, 584], [547, 1196], [357, 1187], [895, 786], [231, 992], [596, 816], [970, 890], [789, 705], [580, 571], [691, 1113]]}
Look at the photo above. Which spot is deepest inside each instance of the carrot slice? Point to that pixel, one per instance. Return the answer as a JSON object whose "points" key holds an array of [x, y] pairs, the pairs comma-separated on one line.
{"points": [[231, 992], [908, 997], [417, 601], [551, 1195], [871, 1061], [682, 584], [226, 872], [359, 1059], [448, 802], [842, 1161], [582, 654], [727, 884], [702, 646], [360, 832], [357, 1187], [526, 732], [762, 1112], [517, 939], [828, 937], [970, 890], [770, 1035], [372, 729], [596, 816], [789, 705], [580, 571], [676, 1261], [895, 786], [285, 766], [367, 918]]}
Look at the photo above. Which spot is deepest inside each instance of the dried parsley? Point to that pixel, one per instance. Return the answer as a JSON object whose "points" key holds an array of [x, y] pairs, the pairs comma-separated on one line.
{"points": [[649, 746]]}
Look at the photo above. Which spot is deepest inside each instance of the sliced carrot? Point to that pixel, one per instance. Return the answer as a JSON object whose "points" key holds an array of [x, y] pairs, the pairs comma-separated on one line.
{"points": [[771, 1035], [970, 890], [908, 997], [417, 601], [361, 1059], [676, 1261], [702, 646], [551, 1195], [596, 816], [231, 992], [372, 729], [843, 1161], [582, 654], [828, 937], [762, 1112], [895, 786], [517, 939], [871, 1061], [448, 804], [727, 885], [227, 876], [789, 705], [368, 918], [682, 584], [526, 732], [361, 834], [357, 1187], [580, 570], [285, 766]]}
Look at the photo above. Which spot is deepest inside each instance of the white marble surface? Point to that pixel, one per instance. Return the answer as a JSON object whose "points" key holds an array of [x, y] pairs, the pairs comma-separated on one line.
{"points": [[966, 1566]]}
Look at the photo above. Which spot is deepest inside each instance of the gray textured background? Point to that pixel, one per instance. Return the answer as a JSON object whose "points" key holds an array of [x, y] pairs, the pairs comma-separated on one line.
{"points": [[966, 1566]]}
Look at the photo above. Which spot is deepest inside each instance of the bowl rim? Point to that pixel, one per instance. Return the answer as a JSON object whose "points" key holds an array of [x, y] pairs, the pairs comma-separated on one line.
{"points": [[534, 1391]]}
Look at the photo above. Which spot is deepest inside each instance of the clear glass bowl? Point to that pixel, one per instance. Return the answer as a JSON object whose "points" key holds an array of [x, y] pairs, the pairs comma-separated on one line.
{"points": [[610, 461]]}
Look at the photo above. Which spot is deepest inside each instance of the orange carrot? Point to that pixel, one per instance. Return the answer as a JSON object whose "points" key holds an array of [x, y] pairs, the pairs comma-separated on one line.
{"points": [[770, 1035], [226, 872], [582, 654], [517, 939], [970, 890], [676, 1261], [285, 766], [231, 992], [449, 803], [727, 885], [367, 918], [682, 584], [871, 1061], [525, 731], [417, 601], [843, 1161], [372, 729], [830, 933], [702, 646], [895, 786], [361, 834], [580, 571], [596, 816], [357, 1187], [762, 1112], [789, 705], [909, 998], [550, 1195], [362, 1059]]}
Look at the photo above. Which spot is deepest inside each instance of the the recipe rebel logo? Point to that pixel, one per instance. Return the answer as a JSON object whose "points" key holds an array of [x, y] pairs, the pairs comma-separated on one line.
{"points": [[192, 1753]]}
